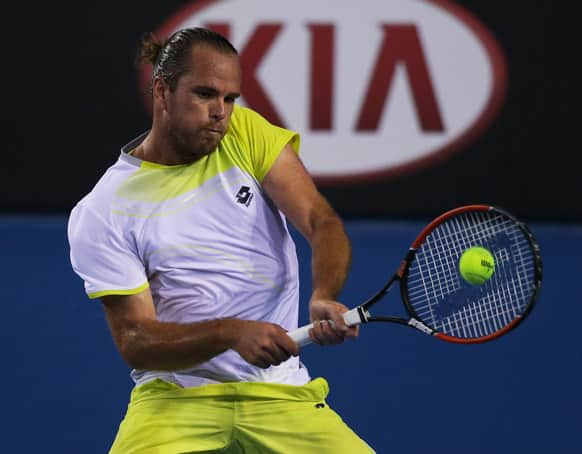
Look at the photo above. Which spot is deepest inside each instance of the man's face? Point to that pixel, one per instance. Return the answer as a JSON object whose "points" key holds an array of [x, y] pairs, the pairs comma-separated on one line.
{"points": [[198, 111]]}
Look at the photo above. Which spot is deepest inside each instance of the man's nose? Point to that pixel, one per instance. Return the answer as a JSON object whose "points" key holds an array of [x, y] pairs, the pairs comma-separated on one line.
{"points": [[217, 109]]}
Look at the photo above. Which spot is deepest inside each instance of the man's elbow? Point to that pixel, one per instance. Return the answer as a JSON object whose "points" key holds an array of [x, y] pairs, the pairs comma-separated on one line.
{"points": [[327, 223], [132, 350]]}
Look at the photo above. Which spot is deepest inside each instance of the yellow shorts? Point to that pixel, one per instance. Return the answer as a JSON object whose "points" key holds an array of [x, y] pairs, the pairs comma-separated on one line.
{"points": [[232, 418]]}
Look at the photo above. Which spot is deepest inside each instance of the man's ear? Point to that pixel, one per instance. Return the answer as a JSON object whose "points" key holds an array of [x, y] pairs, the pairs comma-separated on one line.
{"points": [[159, 91]]}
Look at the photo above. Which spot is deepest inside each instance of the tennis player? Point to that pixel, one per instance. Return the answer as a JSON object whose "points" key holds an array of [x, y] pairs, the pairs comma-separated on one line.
{"points": [[184, 240]]}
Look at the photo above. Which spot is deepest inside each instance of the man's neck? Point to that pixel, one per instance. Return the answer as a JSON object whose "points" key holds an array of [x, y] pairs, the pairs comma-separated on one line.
{"points": [[152, 150]]}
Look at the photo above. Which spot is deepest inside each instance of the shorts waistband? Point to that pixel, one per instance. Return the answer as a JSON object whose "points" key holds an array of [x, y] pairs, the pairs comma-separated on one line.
{"points": [[316, 390]]}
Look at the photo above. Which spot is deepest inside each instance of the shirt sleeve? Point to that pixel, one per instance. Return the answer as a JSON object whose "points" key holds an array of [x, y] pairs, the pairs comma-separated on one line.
{"points": [[102, 257], [262, 140]]}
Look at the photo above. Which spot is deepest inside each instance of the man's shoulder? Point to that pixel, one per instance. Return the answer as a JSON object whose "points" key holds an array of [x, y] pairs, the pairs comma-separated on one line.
{"points": [[92, 211], [240, 111], [104, 189], [244, 118], [117, 172]]}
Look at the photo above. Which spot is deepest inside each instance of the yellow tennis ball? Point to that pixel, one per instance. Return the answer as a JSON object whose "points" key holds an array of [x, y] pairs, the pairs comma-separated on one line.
{"points": [[476, 265]]}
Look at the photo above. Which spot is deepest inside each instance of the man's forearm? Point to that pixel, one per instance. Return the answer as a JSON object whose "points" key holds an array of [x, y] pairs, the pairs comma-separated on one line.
{"points": [[331, 258], [151, 344]]}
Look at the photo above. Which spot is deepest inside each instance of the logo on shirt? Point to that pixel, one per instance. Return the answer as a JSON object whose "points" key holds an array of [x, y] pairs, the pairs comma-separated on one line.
{"points": [[244, 195]]}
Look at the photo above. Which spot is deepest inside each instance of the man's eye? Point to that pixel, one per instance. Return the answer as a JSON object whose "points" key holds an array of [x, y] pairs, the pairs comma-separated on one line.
{"points": [[203, 94]]}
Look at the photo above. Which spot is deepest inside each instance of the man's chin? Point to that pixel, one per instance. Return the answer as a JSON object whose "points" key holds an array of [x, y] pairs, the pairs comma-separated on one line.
{"points": [[196, 153]]}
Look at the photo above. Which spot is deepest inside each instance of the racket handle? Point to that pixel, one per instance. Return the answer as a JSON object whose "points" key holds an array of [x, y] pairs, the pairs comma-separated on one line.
{"points": [[301, 335]]}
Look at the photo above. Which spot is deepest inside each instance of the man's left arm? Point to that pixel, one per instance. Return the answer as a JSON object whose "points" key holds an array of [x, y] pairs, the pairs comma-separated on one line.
{"points": [[290, 186]]}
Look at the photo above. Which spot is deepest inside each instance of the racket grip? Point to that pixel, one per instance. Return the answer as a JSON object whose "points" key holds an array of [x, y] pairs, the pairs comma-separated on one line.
{"points": [[301, 335]]}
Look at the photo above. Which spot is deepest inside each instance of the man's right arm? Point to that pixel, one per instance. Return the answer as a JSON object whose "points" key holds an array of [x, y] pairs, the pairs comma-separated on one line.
{"points": [[146, 343]]}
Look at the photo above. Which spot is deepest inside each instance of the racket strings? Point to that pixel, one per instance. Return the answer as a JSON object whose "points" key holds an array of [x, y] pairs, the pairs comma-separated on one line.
{"points": [[441, 298]]}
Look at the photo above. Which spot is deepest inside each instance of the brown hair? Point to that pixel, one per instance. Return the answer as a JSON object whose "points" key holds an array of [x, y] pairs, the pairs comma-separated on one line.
{"points": [[170, 58]]}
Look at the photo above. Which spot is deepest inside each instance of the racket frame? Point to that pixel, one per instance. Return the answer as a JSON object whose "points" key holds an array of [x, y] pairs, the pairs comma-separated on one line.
{"points": [[361, 314], [402, 274]]}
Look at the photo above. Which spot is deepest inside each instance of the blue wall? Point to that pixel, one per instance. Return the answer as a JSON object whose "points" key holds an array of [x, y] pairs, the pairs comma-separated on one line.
{"points": [[66, 387]]}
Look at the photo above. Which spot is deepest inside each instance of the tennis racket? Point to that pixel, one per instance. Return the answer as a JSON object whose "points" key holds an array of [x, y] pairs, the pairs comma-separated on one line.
{"points": [[438, 301]]}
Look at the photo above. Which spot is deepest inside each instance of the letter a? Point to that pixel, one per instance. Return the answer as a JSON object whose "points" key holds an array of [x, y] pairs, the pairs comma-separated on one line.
{"points": [[401, 44]]}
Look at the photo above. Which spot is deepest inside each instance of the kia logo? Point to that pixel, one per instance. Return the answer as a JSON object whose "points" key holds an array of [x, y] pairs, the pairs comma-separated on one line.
{"points": [[375, 88]]}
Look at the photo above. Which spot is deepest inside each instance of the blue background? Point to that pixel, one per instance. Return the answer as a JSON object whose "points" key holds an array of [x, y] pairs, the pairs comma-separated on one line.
{"points": [[66, 387]]}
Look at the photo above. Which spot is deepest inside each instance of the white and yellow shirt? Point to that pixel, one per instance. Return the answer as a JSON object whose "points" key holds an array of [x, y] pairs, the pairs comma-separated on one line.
{"points": [[204, 237]]}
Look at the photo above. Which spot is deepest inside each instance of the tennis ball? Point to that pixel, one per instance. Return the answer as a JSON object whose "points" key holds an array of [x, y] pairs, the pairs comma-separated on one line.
{"points": [[476, 265]]}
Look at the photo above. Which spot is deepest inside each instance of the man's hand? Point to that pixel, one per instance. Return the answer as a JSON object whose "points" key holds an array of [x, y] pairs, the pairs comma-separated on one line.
{"points": [[323, 332], [264, 344]]}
